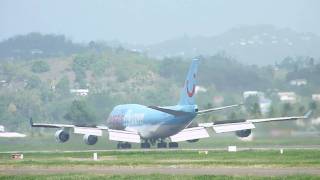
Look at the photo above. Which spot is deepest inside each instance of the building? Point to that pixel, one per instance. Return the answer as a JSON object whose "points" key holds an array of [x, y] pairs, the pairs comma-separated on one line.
{"points": [[264, 103], [218, 100], [80, 92], [316, 97], [298, 82], [246, 94], [289, 97], [200, 89]]}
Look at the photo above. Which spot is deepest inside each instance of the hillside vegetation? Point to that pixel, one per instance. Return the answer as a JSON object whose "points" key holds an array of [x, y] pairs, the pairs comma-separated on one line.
{"points": [[39, 86]]}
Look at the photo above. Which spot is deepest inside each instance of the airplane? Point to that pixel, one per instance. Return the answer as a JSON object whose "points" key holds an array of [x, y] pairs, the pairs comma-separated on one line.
{"points": [[150, 125], [4, 134]]}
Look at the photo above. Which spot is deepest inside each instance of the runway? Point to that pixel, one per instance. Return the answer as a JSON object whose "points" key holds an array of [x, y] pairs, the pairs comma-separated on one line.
{"points": [[177, 166], [241, 171], [262, 148]]}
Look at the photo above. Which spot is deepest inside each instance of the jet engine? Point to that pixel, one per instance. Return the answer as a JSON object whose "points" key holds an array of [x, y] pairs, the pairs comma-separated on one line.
{"points": [[62, 136], [90, 139], [243, 133]]}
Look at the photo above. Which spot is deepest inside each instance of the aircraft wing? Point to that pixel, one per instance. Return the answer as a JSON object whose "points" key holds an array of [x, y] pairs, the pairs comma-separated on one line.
{"points": [[11, 134], [182, 113], [114, 135], [237, 125], [46, 125], [200, 132], [5, 134], [218, 108]]}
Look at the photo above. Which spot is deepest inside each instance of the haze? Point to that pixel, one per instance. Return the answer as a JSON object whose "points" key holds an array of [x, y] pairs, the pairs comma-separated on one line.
{"points": [[147, 22]]}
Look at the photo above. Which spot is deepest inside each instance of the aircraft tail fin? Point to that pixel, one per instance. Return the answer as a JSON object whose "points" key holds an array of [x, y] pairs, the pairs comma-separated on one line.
{"points": [[189, 89]]}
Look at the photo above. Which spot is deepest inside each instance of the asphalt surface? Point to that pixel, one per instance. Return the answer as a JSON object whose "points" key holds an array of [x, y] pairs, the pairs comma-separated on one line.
{"points": [[241, 171]]}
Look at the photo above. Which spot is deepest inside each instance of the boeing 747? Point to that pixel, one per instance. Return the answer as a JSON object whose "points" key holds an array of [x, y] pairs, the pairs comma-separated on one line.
{"points": [[162, 126]]}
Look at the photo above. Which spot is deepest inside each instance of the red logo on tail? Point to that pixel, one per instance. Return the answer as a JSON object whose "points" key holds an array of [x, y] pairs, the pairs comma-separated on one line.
{"points": [[190, 94]]}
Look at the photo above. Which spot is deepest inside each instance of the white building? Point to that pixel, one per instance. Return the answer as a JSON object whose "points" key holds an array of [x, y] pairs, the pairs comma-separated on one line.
{"points": [[316, 97], [264, 103], [298, 82], [218, 100], [246, 94], [200, 89], [289, 97], [80, 92]]}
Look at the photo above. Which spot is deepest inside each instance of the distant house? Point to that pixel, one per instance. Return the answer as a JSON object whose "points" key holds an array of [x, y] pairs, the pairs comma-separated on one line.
{"points": [[316, 97], [200, 89], [3, 82], [217, 100], [1, 128], [289, 97], [246, 94], [264, 103], [36, 51], [80, 92], [298, 82]]}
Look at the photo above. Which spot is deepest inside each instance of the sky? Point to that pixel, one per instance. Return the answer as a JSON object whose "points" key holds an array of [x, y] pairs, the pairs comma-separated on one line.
{"points": [[151, 21]]}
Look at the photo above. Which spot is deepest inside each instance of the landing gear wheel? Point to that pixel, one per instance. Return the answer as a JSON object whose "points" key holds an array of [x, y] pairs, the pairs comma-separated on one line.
{"points": [[125, 145], [173, 145], [119, 145], [145, 145], [162, 145]]}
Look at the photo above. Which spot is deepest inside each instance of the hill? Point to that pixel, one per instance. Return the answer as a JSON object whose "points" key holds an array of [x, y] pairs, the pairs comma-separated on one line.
{"points": [[40, 87], [261, 45], [34, 45]]}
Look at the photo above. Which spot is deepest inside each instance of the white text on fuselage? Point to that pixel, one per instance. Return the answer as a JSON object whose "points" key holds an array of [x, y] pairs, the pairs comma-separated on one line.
{"points": [[133, 119]]}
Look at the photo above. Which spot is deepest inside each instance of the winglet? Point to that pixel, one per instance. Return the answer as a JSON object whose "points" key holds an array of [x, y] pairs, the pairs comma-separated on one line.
{"points": [[308, 114]]}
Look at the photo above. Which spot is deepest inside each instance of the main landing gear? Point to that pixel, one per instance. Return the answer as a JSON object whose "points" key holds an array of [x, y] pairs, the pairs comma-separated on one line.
{"points": [[160, 145], [173, 145], [123, 145], [170, 145], [145, 145]]}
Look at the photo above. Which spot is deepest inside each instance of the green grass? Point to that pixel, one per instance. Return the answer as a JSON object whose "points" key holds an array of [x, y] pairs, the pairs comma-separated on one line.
{"points": [[153, 177], [290, 158]]}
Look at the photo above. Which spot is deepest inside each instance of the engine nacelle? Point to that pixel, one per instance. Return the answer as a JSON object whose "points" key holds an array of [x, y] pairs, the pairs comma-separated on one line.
{"points": [[90, 139], [243, 133], [62, 136], [193, 140]]}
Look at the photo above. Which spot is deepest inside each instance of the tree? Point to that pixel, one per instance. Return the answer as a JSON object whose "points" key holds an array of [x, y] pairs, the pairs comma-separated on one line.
{"points": [[272, 111], [252, 106], [80, 113], [63, 86], [33, 82], [40, 67], [313, 105], [301, 109], [287, 109]]}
